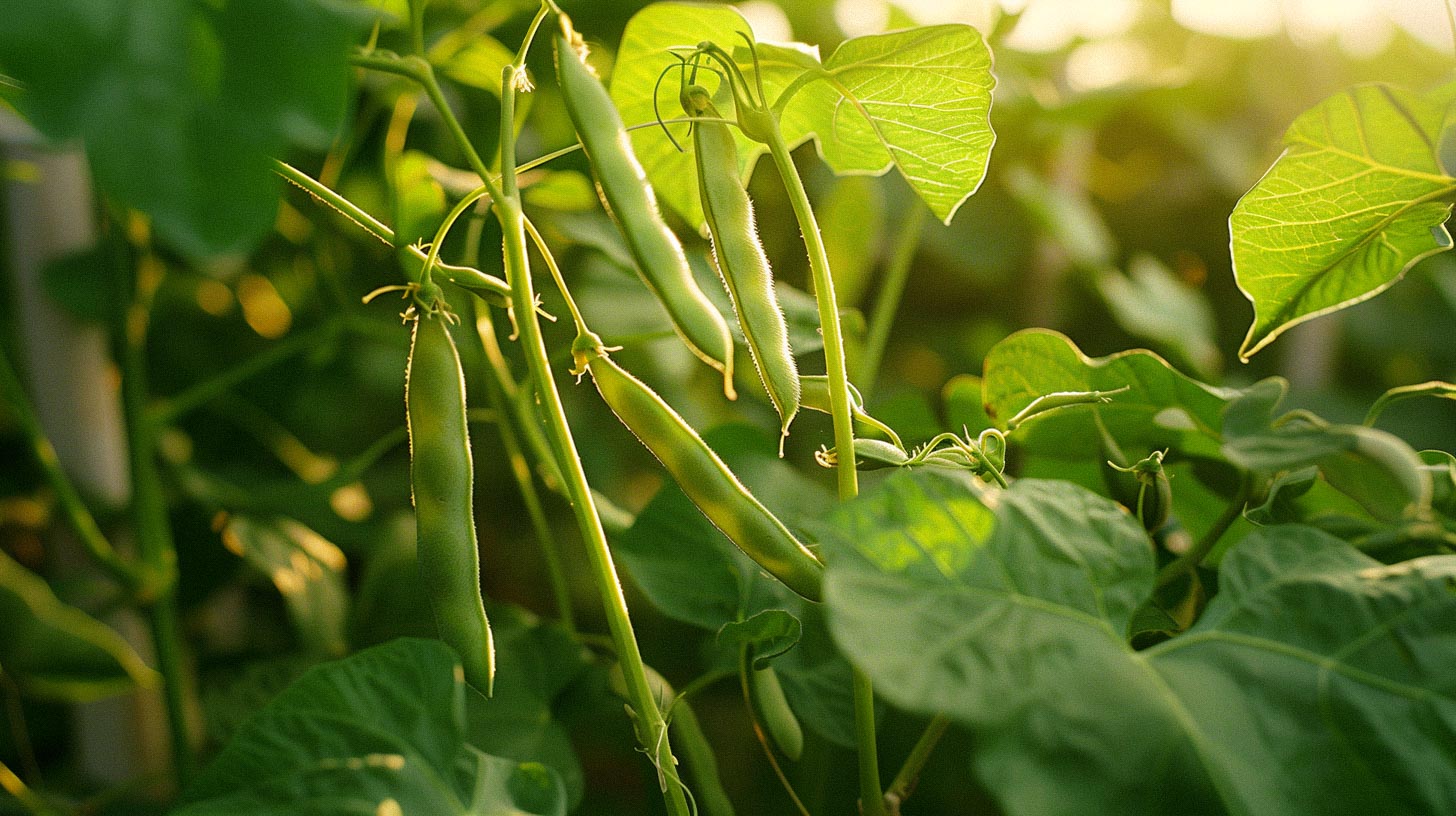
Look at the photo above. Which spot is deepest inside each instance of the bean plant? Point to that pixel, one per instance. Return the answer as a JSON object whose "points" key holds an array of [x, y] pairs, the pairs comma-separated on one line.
{"points": [[1113, 587]]}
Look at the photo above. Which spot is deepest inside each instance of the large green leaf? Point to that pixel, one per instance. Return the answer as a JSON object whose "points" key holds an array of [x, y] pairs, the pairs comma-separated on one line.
{"points": [[1316, 681], [1161, 408], [380, 732], [1356, 199], [182, 103], [535, 660], [55, 650], [917, 100]]}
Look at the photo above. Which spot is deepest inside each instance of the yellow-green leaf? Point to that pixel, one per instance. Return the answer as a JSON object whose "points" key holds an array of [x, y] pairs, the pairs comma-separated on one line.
{"points": [[1357, 198]]}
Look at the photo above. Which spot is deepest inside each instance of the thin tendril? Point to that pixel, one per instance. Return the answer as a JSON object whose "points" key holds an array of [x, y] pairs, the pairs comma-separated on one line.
{"points": [[657, 112], [757, 71]]}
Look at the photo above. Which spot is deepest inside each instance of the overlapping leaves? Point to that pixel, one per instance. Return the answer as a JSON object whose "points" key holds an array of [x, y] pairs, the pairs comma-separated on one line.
{"points": [[916, 100], [180, 103], [1315, 681], [1160, 407]]}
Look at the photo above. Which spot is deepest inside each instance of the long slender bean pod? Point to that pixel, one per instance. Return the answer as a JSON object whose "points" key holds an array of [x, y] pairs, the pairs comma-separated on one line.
{"points": [[622, 184], [741, 261], [769, 706], [442, 481], [701, 474]]}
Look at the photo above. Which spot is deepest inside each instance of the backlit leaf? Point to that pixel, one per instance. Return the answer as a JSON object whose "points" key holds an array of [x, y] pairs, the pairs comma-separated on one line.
{"points": [[917, 100], [1358, 197]]}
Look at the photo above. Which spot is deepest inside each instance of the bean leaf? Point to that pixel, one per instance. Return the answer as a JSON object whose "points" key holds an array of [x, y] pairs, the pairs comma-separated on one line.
{"points": [[1161, 407], [382, 731], [181, 104], [1358, 197], [1315, 681], [917, 100]]}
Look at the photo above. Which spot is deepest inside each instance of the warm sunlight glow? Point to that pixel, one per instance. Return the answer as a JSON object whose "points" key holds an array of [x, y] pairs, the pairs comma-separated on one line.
{"points": [[768, 21], [1107, 63], [1240, 19], [1047, 25], [1359, 27], [859, 17]]}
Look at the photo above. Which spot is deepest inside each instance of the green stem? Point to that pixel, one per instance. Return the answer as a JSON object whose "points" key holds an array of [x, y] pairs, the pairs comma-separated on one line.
{"points": [[897, 272], [466, 276], [129, 575], [871, 801], [1195, 555], [501, 390], [338, 203], [541, 13], [29, 799], [420, 70], [417, 26], [150, 521], [650, 726], [500, 397], [905, 780]]}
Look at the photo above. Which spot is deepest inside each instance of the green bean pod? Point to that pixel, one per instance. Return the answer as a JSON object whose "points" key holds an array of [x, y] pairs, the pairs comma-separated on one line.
{"points": [[623, 188], [441, 482], [741, 261], [771, 708], [703, 476]]}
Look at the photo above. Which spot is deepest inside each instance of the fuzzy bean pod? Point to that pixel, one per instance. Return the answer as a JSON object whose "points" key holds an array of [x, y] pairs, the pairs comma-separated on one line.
{"points": [[623, 188], [741, 261], [441, 483], [702, 475]]}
